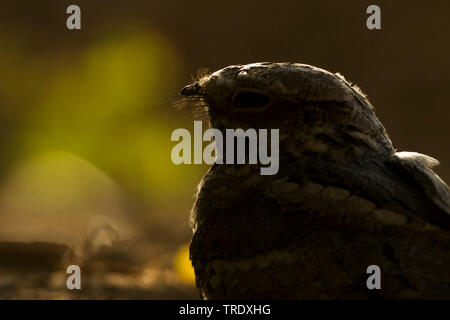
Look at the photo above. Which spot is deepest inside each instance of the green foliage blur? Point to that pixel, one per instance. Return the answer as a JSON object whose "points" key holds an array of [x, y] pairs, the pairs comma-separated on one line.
{"points": [[85, 133]]}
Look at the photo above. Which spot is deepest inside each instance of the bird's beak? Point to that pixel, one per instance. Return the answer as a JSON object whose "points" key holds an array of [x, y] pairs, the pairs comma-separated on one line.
{"points": [[191, 90]]}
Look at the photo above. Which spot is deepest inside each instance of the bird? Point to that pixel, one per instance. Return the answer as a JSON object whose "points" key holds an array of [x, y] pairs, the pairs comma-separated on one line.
{"points": [[343, 198]]}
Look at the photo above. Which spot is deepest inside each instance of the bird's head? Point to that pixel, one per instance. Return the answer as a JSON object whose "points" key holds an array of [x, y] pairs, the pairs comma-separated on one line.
{"points": [[316, 110]]}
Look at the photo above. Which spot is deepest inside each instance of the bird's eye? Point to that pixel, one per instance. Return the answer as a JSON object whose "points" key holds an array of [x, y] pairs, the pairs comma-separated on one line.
{"points": [[251, 100]]}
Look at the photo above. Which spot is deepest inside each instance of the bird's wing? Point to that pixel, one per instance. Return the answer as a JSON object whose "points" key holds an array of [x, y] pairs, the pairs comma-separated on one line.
{"points": [[419, 167], [402, 182]]}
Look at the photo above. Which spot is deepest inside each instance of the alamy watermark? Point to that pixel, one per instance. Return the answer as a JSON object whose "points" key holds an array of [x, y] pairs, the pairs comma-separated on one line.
{"points": [[235, 144], [373, 22], [74, 280], [73, 22], [374, 281]]}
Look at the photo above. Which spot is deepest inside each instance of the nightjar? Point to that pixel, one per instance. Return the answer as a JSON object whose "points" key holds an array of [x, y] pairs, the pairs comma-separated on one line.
{"points": [[343, 198]]}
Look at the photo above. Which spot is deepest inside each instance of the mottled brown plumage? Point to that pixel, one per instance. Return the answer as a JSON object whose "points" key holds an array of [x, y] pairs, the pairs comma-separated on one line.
{"points": [[343, 198]]}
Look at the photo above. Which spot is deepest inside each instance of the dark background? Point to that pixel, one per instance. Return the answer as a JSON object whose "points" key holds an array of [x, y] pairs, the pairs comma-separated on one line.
{"points": [[403, 68], [86, 116]]}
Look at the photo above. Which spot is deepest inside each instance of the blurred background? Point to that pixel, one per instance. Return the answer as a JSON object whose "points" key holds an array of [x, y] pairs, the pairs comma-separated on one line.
{"points": [[86, 117]]}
